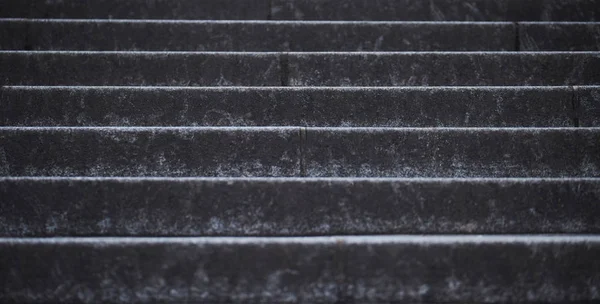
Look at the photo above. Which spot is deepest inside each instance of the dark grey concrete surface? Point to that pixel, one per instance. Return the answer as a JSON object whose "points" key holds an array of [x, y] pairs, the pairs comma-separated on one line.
{"points": [[299, 69], [139, 68], [559, 36], [406, 152], [439, 69], [148, 35], [403, 269], [467, 272], [299, 206], [445, 10], [136, 9], [149, 152], [292, 106], [588, 106]]}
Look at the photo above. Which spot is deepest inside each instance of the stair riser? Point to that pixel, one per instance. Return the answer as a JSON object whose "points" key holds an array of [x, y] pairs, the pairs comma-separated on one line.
{"points": [[298, 36], [155, 152], [417, 10], [288, 152], [333, 107], [587, 106], [279, 271], [443, 69], [252, 36], [452, 153], [136, 9], [297, 69], [169, 69], [559, 37], [473, 10], [193, 207]]}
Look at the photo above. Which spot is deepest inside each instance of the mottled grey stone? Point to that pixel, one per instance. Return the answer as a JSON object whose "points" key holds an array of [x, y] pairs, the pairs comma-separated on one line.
{"points": [[559, 36], [149, 152], [156, 35], [520, 152], [312, 107], [135, 9], [15, 35], [242, 207], [403, 269], [588, 106], [497, 270], [439, 69], [122, 270], [139, 68], [445, 10]]}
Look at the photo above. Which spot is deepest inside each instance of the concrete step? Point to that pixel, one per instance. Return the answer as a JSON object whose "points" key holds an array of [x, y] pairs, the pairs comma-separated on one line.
{"points": [[404, 269], [299, 69], [540, 36], [457, 10], [435, 152], [300, 106], [155, 35], [150, 151], [292, 151], [136, 9], [416, 10], [40, 206], [186, 35], [587, 106]]}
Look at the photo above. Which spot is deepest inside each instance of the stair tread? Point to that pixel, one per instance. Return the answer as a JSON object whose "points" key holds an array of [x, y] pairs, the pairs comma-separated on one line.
{"points": [[290, 151], [299, 69], [231, 35], [59, 206], [324, 269], [300, 106]]}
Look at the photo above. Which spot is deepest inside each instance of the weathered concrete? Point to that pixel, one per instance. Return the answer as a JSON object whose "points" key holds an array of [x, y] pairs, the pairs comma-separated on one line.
{"points": [[136, 9], [160, 35], [440, 69], [291, 106], [40, 206], [325, 269], [149, 152], [588, 106], [139, 68], [445, 10], [433, 152], [559, 36]]}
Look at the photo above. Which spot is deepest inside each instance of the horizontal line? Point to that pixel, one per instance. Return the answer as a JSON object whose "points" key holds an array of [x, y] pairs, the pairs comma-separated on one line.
{"points": [[290, 128], [334, 240], [309, 179], [362, 53], [308, 22], [295, 88]]}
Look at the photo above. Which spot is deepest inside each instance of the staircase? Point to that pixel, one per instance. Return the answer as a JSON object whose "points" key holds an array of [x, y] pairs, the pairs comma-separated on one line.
{"points": [[284, 151]]}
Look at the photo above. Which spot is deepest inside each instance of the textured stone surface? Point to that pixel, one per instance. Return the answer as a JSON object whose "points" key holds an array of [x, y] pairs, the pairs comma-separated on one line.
{"points": [[167, 270], [453, 152], [438, 69], [458, 10], [157, 35], [588, 106], [149, 152], [14, 35], [139, 68], [136, 9], [196, 207], [413, 269], [484, 270], [559, 36], [362, 107]]}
